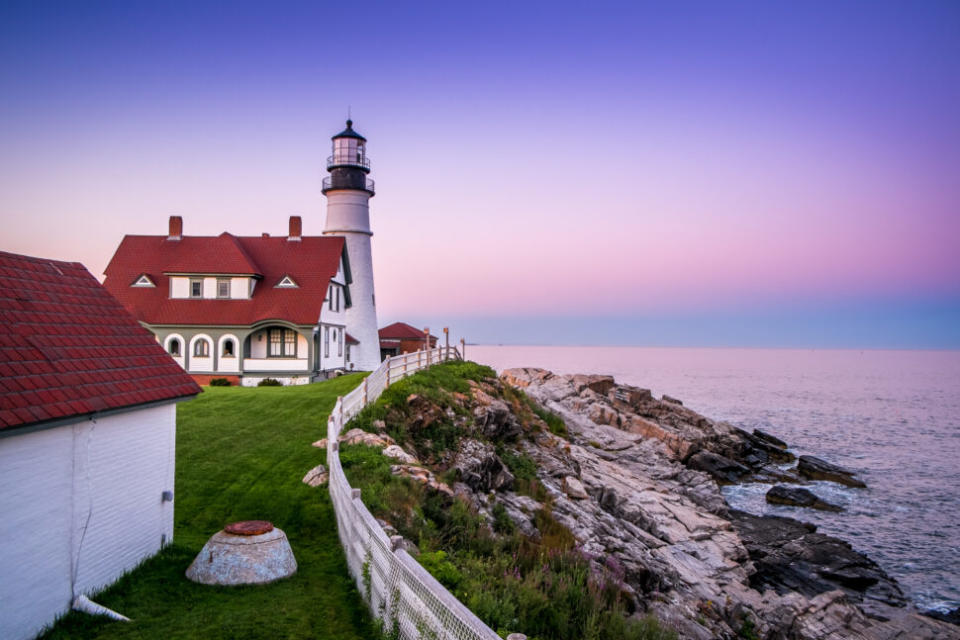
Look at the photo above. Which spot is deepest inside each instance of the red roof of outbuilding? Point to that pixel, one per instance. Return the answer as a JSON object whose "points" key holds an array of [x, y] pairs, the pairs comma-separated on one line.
{"points": [[310, 263], [401, 331], [68, 348]]}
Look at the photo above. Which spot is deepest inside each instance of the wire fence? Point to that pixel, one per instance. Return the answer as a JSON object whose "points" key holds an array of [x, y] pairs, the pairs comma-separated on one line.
{"points": [[401, 593]]}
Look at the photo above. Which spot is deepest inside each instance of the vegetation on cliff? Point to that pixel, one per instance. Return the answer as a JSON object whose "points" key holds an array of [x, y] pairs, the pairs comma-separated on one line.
{"points": [[536, 581]]}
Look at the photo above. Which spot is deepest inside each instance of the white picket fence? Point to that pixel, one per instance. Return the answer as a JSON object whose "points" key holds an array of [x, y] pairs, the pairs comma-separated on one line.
{"points": [[397, 589]]}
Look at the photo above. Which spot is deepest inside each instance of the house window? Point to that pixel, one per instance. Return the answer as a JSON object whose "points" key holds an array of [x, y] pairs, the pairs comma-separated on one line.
{"points": [[330, 298], [338, 299], [283, 343], [223, 287], [340, 344], [228, 349], [174, 347], [326, 342], [196, 288], [201, 348]]}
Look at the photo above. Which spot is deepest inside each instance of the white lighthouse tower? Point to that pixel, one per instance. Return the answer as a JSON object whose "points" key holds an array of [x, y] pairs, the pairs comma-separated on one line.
{"points": [[348, 191]]}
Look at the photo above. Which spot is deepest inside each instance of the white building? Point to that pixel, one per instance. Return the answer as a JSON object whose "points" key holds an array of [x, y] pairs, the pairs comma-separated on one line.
{"points": [[87, 440], [295, 308], [348, 191], [240, 308]]}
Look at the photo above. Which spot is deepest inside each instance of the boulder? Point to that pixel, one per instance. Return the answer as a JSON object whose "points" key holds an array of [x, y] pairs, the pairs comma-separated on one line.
{"points": [[359, 436], [790, 555], [599, 384], [672, 400], [817, 469], [770, 439], [317, 476], [478, 466], [320, 444], [798, 497], [421, 476], [395, 452], [493, 417], [247, 557], [574, 488], [723, 469]]}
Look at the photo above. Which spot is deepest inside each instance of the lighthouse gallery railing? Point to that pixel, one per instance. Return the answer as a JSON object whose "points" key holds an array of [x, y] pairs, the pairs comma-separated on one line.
{"points": [[397, 589]]}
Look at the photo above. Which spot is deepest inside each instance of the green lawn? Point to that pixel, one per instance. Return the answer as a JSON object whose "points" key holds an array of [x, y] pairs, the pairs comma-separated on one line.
{"points": [[240, 455]]}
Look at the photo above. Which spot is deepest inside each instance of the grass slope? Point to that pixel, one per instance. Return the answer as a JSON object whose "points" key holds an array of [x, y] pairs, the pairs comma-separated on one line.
{"points": [[240, 455]]}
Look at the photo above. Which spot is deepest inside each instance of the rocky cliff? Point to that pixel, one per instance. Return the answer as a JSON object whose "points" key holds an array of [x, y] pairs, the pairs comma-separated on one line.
{"points": [[634, 482]]}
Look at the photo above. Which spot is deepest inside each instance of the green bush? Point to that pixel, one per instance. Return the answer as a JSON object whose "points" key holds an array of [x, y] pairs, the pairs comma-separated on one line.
{"points": [[219, 382], [269, 382]]}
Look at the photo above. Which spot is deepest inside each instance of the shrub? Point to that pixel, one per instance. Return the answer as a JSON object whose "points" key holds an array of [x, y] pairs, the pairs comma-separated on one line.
{"points": [[219, 382], [269, 382]]}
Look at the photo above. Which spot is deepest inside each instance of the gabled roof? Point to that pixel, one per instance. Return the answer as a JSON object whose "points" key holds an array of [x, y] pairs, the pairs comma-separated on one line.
{"points": [[311, 263], [401, 331], [223, 254], [68, 348]]}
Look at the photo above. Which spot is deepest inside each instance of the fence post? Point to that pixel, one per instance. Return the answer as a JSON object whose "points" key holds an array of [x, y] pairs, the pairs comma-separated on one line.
{"points": [[340, 404], [364, 392], [405, 358], [463, 349], [389, 365]]}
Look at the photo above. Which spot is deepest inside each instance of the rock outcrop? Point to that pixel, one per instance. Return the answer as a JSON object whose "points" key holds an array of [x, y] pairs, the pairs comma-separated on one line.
{"points": [[649, 471], [798, 497], [817, 469]]}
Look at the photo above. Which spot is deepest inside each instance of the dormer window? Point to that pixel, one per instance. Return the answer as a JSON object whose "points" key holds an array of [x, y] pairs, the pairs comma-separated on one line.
{"points": [[143, 281], [196, 288], [223, 287], [286, 282]]}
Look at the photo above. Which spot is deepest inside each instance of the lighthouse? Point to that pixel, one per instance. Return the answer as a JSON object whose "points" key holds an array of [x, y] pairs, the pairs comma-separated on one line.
{"points": [[348, 191]]}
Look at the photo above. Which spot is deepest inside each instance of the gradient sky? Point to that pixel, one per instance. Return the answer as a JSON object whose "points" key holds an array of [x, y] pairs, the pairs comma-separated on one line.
{"points": [[754, 174]]}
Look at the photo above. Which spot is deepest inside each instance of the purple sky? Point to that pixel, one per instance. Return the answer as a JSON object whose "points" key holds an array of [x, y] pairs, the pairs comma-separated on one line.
{"points": [[736, 174]]}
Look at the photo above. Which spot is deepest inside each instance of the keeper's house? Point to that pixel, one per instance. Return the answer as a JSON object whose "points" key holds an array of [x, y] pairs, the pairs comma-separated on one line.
{"points": [[87, 433], [241, 308]]}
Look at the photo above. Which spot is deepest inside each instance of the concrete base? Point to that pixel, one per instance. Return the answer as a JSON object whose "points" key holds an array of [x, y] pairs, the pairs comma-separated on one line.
{"points": [[229, 559]]}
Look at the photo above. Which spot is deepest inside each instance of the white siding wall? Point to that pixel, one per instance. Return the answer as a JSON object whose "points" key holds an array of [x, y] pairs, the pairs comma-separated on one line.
{"points": [[107, 477], [348, 215], [179, 287], [240, 288], [209, 287], [258, 344], [335, 358]]}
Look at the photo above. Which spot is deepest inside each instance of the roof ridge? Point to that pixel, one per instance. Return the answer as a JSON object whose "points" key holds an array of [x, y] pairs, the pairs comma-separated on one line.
{"points": [[254, 267]]}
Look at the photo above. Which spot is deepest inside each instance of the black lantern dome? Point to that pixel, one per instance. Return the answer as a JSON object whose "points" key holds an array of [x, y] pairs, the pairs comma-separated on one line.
{"points": [[349, 164]]}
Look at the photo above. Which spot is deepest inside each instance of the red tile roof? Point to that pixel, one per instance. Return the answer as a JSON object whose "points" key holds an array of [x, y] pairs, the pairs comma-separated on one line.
{"points": [[401, 331], [68, 348], [311, 263]]}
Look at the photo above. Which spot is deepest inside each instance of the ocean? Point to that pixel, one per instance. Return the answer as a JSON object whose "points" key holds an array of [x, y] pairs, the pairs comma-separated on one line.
{"points": [[891, 416]]}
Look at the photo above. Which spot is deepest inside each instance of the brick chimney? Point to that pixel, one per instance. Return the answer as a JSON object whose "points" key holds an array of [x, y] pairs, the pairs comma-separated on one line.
{"points": [[296, 229], [176, 228]]}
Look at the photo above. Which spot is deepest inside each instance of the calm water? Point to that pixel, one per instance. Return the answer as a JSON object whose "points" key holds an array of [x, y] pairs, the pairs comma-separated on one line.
{"points": [[891, 416]]}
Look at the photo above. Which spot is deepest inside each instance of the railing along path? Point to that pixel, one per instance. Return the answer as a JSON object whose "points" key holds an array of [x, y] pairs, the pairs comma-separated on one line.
{"points": [[397, 589]]}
